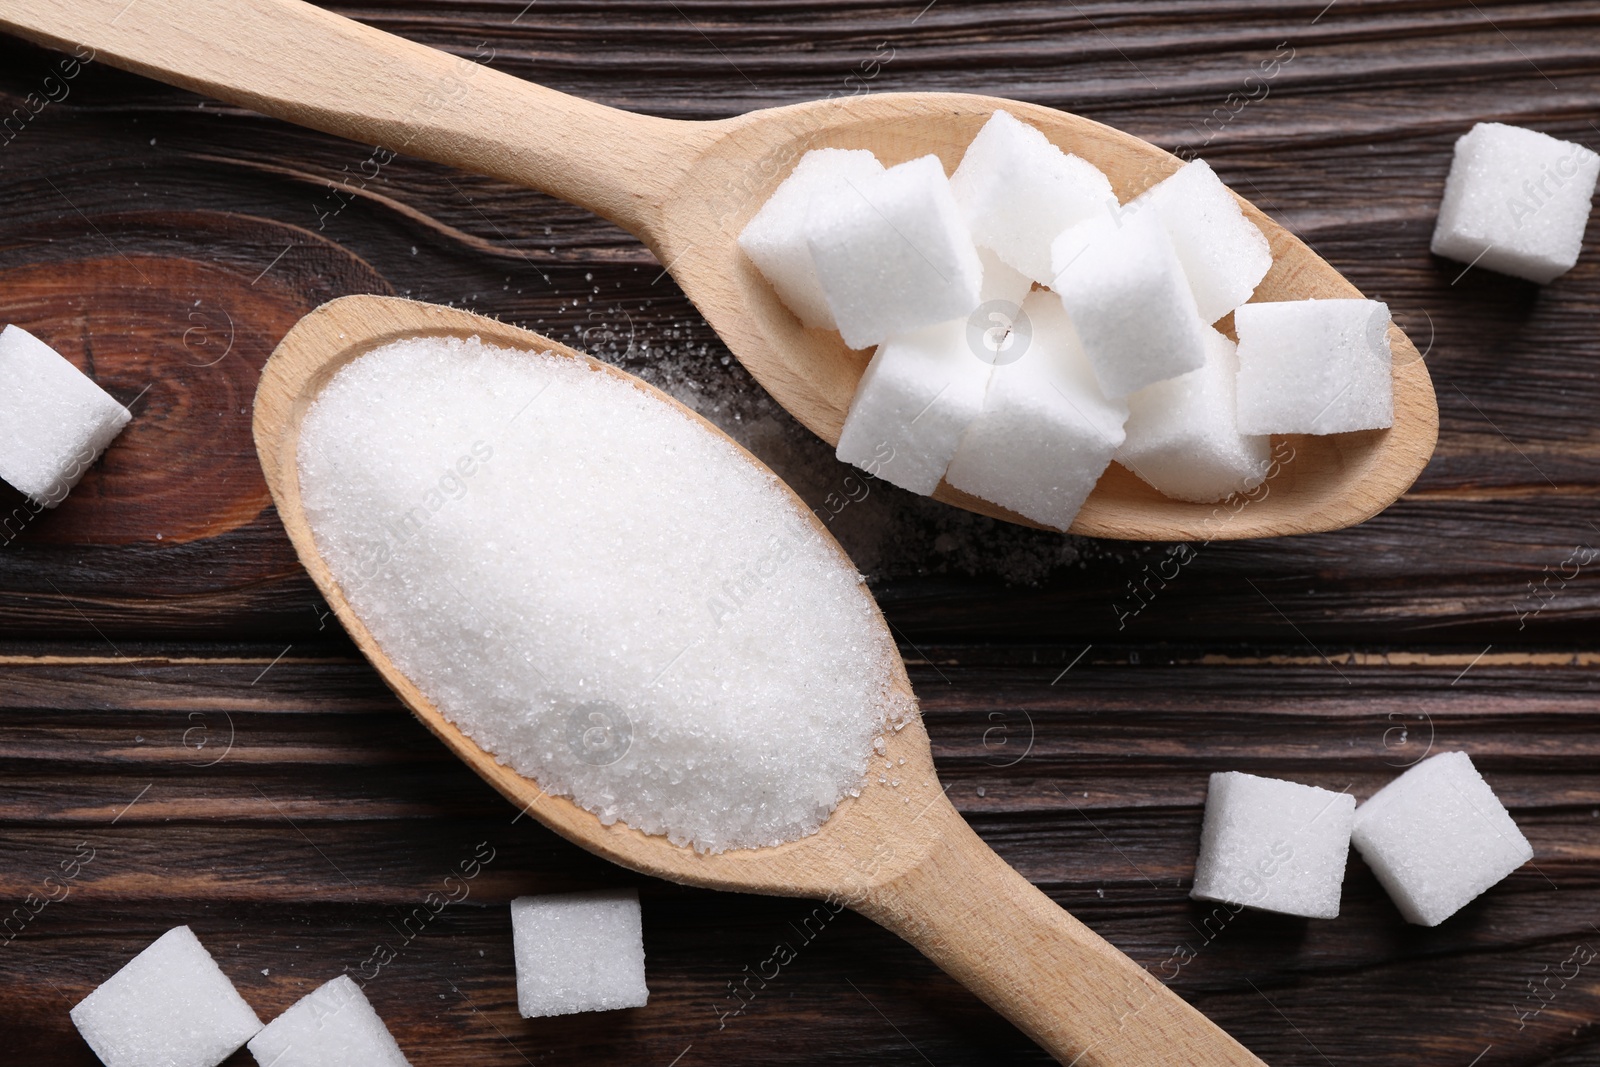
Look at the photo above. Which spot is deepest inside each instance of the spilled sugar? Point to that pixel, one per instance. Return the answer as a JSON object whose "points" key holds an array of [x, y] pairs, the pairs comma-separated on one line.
{"points": [[597, 590]]}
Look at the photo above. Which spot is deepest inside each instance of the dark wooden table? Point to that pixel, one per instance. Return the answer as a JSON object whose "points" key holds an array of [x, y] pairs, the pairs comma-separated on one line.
{"points": [[174, 697]]}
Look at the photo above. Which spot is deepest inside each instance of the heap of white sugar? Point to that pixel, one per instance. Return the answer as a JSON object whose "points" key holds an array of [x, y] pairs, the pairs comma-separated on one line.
{"points": [[599, 590]]}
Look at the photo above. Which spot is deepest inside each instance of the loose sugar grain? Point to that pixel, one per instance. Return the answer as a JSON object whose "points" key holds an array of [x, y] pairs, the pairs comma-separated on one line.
{"points": [[601, 592]]}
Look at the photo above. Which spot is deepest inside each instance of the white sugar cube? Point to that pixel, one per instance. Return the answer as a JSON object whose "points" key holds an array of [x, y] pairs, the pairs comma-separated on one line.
{"points": [[579, 952], [1314, 366], [54, 420], [1224, 254], [332, 1026], [917, 397], [1120, 280], [1047, 432], [1275, 845], [1437, 837], [170, 1006], [1516, 202], [1183, 437], [1000, 281], [775, 239], [892, 253], [1017, 191]]}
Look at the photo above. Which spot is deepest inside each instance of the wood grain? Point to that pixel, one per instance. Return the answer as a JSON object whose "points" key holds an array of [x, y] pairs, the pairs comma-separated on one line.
{"points": [[1221, 667]]}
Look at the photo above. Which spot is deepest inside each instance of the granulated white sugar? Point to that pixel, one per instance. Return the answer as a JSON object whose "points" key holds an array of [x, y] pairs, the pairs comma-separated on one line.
{"points": [[1516, 201], [170, 1006], [1437, 837], [597, 589], [579, 952], [1275, 845], [54, 420], [332, 1026]]}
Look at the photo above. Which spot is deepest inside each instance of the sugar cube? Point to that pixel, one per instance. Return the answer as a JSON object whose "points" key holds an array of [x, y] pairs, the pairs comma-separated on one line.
{"points": [[170, 1006], [775, 238], [1183, 437], [1516, 201], [1120, 280], [1437, 837], [1314, 366], [1275, 845], [1046, 432], [1000, 281], [1017, 191], [1224, 254], [331, 1026], [54, 420], [579, 952], [917, 397], [892, 252]]}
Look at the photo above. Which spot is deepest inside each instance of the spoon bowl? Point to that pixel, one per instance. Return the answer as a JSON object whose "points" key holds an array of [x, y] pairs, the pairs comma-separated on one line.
{"points": [[687, 188], [901, 855]]}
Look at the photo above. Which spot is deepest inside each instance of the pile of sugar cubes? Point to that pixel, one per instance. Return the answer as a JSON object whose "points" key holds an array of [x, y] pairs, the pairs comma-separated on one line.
{"points": [[1436, 837], [54, 420], [171, 1005], [1030, 329], [1516, 201]]}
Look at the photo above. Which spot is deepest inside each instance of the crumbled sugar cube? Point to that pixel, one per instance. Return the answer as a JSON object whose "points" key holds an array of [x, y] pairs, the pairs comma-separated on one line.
{"points": [[1017, 191], [892, 253], [1274, 845], [775, 238], [332, 1026], [1120, 280], [1314, 366], [579, 952], [918, 396], [170, 1006], [1437, 837], [1224, 254], [1183, 437], [1516, 201], [54, 420], [1047, 432]]}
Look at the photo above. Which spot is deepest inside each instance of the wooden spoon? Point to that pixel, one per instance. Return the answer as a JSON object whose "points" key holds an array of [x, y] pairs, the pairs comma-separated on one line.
{"points": [[900, 856], [687, 188]]}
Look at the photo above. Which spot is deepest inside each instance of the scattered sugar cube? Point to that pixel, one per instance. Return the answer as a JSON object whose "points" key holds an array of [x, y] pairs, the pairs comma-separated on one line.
{"points": [[1120, 280], [1224, 254], [892, 253], [919, 394], [1516, 202], [579, 952], [1314, 366], [775, 238], [1275, 845], [1437, 837], [1017, 191], [54, 420], [1047, 432], [332, 1026], [170, 1006], [1183, 437]]}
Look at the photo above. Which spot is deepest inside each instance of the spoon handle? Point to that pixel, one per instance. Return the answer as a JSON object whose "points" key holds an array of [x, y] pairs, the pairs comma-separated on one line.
{"points": [[296, 62], [1057, 980]]}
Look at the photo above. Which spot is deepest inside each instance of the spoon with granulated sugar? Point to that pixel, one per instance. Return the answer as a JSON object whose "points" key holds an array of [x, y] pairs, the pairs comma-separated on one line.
{"points": [[896, 851], [687, 188]]}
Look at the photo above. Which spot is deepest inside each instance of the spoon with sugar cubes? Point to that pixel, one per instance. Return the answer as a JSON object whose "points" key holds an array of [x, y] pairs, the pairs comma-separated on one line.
{"points": [[641, 637], [1010, 308]]}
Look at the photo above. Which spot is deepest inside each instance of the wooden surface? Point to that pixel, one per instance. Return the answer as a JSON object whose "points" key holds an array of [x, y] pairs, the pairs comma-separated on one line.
{"points": [[160, 612]]}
